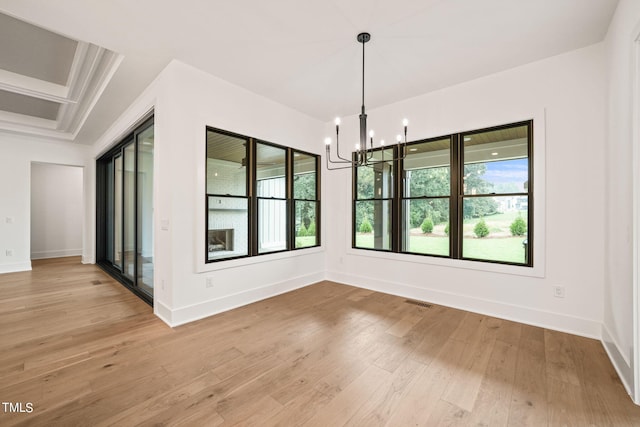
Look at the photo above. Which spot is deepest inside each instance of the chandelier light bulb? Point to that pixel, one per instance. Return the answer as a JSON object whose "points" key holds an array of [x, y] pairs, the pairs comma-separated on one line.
{"points": [[337, 121], [398, 138], [371, 133], [357, 146], [382, 142], [405, 122], [327, 141]]}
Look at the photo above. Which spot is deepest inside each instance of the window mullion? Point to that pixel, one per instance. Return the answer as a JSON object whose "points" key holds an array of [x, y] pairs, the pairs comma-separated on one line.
{"points": [[457, 183]]}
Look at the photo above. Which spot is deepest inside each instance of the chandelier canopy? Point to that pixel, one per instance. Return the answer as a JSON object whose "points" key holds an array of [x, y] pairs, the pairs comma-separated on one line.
{"points": [[363, 154]]}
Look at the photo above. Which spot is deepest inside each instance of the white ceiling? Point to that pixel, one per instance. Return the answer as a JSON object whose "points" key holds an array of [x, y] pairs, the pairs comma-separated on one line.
{"points": [[304, 53]]}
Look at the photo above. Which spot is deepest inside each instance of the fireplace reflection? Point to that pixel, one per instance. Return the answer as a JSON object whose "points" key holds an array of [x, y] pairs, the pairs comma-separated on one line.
{"points": [[220, 240]]}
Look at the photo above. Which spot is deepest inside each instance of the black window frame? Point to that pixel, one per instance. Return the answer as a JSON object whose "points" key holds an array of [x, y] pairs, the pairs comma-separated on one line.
{"points": [[456, 197], [316, 199], [253, 198]]}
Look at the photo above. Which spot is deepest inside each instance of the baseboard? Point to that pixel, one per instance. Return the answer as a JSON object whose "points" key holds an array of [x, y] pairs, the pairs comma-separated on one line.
{"points": [[88, 259], [545, 319], [618, 359], [204, 309], [56, 254], [162, 311], [16, 267]]}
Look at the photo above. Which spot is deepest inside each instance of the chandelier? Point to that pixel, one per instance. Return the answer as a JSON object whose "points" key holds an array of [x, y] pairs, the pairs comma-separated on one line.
{"points": [[363, 154]]}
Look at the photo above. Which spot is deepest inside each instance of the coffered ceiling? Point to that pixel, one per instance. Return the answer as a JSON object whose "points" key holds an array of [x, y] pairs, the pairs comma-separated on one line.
{"points": [[301, 53], [48, 82]]}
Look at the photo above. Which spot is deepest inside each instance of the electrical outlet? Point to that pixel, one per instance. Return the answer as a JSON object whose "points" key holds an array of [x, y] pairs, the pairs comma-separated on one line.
{"points": [[8, 252], [209, 282], [558, 291]]}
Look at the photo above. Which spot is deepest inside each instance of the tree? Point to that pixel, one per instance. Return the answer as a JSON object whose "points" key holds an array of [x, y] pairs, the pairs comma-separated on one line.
{"points": [[477, 207], [446, 229], [302, 231], [481, 230], [427, 225], [518, 226], [428, 182]]}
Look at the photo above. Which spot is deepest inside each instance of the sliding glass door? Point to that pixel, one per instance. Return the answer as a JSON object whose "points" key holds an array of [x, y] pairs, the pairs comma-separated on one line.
{"points": [[125, 211]]}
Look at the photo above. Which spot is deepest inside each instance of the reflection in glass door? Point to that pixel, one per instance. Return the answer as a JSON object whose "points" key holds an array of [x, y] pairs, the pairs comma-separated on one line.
{"points": [[129, 210], [124, 232], [145, 211], [116, 213]]}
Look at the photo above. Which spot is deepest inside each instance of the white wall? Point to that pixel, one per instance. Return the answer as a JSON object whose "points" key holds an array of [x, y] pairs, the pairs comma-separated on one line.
{"points": [[618, 326], [18, 153], [565, 95], [57, 210], [186, 100]]}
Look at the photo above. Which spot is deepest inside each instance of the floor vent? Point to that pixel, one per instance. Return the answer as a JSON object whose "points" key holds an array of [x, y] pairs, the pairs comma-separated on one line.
{"points": [[418, 303]]}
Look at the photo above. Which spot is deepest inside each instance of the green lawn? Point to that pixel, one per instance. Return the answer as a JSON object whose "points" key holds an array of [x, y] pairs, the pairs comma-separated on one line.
{"points": [[500, 245], [306, 241], [508, 249]]}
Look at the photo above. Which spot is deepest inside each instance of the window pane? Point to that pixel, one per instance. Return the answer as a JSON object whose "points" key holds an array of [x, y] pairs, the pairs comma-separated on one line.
{"points": [[305, 224], [426, 226], [272, 225], [270, 169], [496, 162], [304, 176], [373, 224], [376, 182], [227, 234], [226, 164], [272, 187], [500, 233], [426, 169]]}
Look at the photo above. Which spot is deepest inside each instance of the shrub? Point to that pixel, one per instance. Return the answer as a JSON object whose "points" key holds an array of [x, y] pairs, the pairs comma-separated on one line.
{"points": [[427, 225], [446, 229], [518, 227], [302, 231], [365, 226], [311, 230], [481, 230]]}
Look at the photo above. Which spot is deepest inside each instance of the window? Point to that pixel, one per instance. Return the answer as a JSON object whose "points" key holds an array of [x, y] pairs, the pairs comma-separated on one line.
{"points": [[463, 196], [271, 180], [426, 198], [261, 197], [305, 199], [373, 203], [227, 196]]}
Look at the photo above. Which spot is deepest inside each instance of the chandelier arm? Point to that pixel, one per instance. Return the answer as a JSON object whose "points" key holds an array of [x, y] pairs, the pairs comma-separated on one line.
{"points": [[330, 162], [338, 150]]}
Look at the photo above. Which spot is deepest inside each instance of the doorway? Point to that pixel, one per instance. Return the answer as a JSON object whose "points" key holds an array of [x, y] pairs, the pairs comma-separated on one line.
{"points": [[57, 212], [124, 202]]}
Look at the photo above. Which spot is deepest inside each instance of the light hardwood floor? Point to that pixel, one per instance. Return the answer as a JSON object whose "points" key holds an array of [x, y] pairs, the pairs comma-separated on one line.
{"points": [[84, 351]]}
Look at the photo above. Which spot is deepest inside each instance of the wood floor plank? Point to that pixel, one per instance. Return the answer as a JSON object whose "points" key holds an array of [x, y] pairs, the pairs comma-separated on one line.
{"points": [[464, 387], [529, 396], [349, 400], [378, 409], [424, 394], [85, 351]]}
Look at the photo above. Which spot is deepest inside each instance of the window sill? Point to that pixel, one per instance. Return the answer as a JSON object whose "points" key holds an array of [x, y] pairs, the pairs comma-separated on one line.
{"points": [[240, 262], [517, 270]]}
